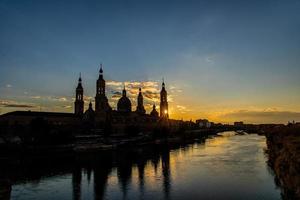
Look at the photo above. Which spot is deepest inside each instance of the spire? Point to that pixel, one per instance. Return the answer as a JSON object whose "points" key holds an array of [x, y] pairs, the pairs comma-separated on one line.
{"points": [[79, 80], [79, 86], [124, 91], [90, 105], [101, 70], [163, 82]]}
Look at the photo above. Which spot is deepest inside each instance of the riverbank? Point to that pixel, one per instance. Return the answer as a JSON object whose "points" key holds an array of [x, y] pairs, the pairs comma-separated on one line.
{"points": [[93, 143], [284, 158]]}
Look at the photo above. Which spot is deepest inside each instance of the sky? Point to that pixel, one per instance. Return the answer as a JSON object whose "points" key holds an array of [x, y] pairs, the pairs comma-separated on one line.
{"points": [[221, 60]]}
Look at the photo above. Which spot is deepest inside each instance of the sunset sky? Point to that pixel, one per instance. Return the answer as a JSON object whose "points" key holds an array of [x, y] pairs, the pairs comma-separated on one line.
{"points": [[221, 60]]}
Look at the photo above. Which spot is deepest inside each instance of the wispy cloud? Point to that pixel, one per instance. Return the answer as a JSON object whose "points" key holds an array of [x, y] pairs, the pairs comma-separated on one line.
{"points": [[14, 104], [114, 83], [51, 98], [268, 115]]}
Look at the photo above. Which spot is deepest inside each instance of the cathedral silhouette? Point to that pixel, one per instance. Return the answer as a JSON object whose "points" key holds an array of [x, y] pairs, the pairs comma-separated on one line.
{"points": [[124, 106], [100, 120]]}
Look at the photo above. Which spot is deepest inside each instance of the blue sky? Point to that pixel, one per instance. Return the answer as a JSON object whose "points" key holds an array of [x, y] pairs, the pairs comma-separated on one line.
{"points": [[220, 59]]}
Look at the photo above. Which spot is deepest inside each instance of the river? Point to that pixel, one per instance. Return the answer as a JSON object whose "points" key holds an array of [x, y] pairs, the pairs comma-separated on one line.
{"points": [[227, 166]]}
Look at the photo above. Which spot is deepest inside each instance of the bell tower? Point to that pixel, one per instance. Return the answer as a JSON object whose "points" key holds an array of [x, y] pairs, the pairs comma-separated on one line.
{"points": [[140, 107], [101, 101], [79, 103], [164, 112]]}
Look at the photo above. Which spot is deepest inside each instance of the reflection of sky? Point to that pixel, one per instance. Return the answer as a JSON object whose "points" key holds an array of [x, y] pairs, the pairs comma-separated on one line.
{"points": [[231, 167], [223, 57]]}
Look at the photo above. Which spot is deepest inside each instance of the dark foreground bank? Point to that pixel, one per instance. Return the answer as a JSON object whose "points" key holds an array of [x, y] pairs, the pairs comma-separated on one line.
{"points": [[284, 158]]}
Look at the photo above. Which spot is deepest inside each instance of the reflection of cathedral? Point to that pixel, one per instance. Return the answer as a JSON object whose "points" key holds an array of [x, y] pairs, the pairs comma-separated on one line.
{"points": [[124, 106]]}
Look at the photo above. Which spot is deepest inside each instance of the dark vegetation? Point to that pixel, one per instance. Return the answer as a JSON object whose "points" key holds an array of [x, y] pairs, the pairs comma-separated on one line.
{"points": [[284, 158]]}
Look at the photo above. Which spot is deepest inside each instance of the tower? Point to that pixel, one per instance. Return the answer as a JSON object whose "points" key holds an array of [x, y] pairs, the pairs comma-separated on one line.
{"points": [[140, 105], [164, 112], [101, 102], [79, 103]]}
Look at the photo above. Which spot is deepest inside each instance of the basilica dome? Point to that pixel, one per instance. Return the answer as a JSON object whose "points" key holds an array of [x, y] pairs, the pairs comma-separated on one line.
{"points": [[124, 104]]}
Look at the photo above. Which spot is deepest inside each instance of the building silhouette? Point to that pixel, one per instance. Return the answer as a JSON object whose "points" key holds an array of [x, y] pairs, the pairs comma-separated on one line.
{"points": [[140, 104], [79, 103], [124, 105], [100, 120], [101, 101], [164, 111]]}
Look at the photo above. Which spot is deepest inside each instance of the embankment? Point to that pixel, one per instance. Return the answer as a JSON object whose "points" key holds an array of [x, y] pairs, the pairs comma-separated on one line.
{"points": [[284, 159]]}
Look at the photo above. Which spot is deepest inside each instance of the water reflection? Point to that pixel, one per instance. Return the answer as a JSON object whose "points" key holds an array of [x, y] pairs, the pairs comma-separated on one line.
{"points": [[213, 170]]}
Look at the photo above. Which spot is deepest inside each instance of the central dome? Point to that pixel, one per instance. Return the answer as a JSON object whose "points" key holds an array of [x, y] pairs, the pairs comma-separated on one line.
{"points": [[124, 104]]}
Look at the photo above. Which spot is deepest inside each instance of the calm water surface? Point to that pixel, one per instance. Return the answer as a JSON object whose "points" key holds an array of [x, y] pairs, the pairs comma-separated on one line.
{"points": [[225, 167]]}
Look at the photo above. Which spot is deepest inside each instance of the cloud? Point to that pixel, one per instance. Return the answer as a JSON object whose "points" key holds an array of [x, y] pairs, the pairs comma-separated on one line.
{"points": [[181, 107], [13, 104], [53, 98], [114, 83], [263, 116], [210, 59], [18, 106], [116, 95], [8, 86], [150, 96], [35, 97], [67, 106]]}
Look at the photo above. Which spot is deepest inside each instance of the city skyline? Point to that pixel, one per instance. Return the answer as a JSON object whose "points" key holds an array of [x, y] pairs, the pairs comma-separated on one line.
{"points": [[220, 62]]}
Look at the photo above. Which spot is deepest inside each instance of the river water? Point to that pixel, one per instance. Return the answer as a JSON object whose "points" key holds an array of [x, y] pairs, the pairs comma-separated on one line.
{"points": [[228, 166]]}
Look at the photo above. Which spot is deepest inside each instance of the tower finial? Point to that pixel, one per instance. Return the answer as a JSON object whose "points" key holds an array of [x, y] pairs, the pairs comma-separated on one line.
{"points": [[124, 91], [79, 77], [163, 82], [101, 70]]}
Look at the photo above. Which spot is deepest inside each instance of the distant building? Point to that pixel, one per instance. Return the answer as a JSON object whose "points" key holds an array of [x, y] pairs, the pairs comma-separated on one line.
{"points": [[203, 123], [238, 124]]}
